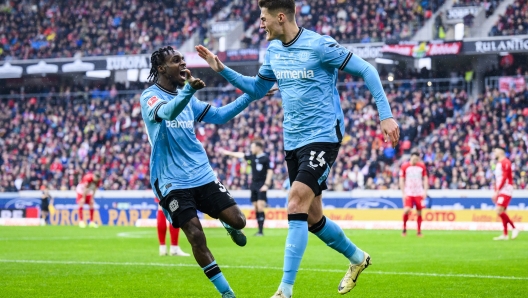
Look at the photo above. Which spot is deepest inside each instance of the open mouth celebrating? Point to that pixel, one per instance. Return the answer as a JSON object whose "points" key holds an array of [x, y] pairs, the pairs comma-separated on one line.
{"points": [[183, 74]]}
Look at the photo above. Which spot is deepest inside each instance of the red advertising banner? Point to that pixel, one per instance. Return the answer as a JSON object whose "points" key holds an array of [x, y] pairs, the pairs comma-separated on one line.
{"points": [[508, 83], [424, 49]]}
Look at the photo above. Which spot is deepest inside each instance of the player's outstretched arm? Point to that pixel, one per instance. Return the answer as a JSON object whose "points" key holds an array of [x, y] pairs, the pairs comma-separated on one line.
{"points": [[256, 86], [359, 67], [232, 153], [173, 108], [207, 113]]}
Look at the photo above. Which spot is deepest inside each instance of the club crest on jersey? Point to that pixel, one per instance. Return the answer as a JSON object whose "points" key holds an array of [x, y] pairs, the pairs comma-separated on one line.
{"points": [[152, 101], [303, 56]]}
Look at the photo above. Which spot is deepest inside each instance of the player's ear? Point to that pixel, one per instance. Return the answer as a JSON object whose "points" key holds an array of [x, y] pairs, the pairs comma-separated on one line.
{"points": [[281, 17], [161, 68]]}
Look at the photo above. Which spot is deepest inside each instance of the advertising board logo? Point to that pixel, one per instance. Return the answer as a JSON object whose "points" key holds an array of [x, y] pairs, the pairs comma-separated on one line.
{"points": [[371, 203]]}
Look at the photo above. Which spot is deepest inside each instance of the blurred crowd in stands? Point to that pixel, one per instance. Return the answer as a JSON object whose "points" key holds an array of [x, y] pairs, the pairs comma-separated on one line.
{"points": [[458, 153], [57, 137], [514, 21], [351, 21], [31, 29]]}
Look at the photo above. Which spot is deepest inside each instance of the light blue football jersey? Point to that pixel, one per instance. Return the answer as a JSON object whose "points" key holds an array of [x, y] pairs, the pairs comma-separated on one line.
{"points": [[306, 72], [178, 160]]}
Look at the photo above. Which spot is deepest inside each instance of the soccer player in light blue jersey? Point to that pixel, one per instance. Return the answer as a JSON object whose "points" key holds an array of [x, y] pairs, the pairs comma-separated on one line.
{"points": [[304, 64], [180, 172]]}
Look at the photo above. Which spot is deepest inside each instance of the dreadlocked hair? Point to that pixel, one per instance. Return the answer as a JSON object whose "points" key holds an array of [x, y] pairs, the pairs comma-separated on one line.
{"points": [[157, 59]]}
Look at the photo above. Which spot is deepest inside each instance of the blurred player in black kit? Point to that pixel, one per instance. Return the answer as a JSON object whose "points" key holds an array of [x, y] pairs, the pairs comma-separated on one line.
{"points": [[261, 172]]}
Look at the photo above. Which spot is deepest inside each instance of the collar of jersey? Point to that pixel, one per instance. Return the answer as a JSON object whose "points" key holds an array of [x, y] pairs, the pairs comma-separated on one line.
{"points": [[261, 154], [301, 29], [167, 91]]}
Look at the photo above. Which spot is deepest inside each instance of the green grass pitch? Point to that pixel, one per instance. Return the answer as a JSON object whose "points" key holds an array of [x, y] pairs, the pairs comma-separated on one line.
{"points": [[123, 262]]}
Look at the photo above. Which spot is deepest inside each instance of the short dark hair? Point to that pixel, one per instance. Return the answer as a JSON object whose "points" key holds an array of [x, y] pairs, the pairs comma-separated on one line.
{"points": [[157, 59], [259, 144], [285, 6], [415, 154]]}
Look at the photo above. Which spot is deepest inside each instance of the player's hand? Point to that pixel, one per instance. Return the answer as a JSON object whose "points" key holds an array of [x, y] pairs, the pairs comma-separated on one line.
{"points": [[210, 58], [272, 91], [264, 188], [494, 197], [391, 131], [197, 84]]}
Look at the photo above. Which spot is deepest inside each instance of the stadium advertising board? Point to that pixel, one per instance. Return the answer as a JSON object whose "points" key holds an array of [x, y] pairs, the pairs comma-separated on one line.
{"points": [[423, 49], [119, 211], [124, 208], [366, 50], [457, 13], [17, 68], [508, 83], [396, 214], [240, 55], [13, 213], [222, 28], [514, 44]]}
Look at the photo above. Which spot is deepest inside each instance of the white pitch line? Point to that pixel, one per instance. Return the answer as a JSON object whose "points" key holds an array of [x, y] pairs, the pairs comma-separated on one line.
{"points": [[263, 267]]}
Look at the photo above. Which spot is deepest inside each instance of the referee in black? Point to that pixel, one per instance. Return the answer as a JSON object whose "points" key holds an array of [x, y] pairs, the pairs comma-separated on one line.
{"points": [[46, 201], [262, 173]]}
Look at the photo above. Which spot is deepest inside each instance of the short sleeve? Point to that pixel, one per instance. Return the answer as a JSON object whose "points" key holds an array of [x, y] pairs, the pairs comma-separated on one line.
{"points": [[402, 171], [199, 108], [150, 104], [265, 71], [424, 172], [269, 163], [332, 54], [248, 156]]}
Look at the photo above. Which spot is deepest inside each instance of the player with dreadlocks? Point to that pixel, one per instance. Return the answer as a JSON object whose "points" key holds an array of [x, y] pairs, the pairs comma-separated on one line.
{"points": [[179, 169]]}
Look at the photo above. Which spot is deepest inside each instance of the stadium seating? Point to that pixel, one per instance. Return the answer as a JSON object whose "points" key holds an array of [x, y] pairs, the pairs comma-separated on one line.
{"points": [[489, 6], [514, 21], [354, 21], [58, 28], [364, 160], [458, 153], [58, 136]]}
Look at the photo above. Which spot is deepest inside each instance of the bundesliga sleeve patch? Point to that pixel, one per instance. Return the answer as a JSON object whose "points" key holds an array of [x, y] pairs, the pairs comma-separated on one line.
{"points": [[152, 101]]}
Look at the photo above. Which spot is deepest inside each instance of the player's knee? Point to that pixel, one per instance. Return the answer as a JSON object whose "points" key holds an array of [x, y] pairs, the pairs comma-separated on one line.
{"points": [[295, 203], [239, 221]]}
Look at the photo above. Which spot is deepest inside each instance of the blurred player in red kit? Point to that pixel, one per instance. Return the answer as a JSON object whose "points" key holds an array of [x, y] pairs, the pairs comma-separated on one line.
{"points": [[503, 191], [175, 250], [85, 195], [414, 185]]}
